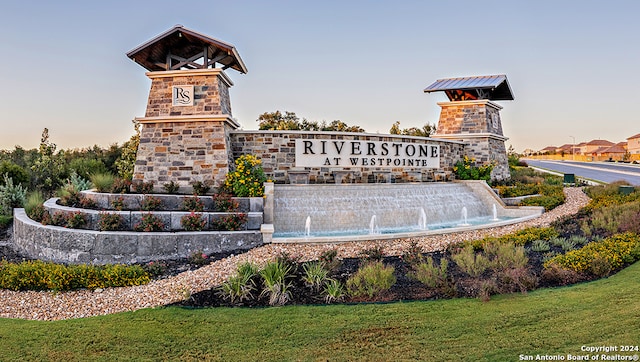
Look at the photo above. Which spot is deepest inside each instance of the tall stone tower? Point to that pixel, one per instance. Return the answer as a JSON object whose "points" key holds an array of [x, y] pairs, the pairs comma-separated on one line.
{"points": [[471, 116], [185, 131]]}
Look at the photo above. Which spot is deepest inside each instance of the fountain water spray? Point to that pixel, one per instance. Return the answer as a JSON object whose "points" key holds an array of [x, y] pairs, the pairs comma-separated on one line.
{"points": [[463, 217], [495, 213], [307, 226], [373, 227], [422, 221]]}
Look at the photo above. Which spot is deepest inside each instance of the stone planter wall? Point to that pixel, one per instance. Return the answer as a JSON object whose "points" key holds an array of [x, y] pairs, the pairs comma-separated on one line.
{"points": [[57, 244]]}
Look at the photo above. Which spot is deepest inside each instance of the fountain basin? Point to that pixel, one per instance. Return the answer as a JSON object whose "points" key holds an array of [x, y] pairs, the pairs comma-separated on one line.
{"points": [[336, 213]]}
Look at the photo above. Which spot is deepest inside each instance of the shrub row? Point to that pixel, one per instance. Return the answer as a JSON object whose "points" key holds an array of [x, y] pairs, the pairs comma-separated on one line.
{"points": [[600, 257], [518, 238], [40, 275]]}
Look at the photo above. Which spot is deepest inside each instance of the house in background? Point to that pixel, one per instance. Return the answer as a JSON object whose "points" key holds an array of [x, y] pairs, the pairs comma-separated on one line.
{"points": [[633, 146]]}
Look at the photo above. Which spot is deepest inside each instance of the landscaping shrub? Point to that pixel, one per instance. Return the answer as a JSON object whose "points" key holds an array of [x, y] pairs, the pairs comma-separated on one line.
{"points": [[413, 255], [149, 223], [275, 284], [371, 279], [374, 253], [193, 204], [222, 202], [103, 182], [247, 180], [617, 250], [193, 222], [240, 286], [198, 258], [334, 291], [142, 187], [171, 187], [40, 275], [151, 203], [470, 262], [34, 206], [540, 246], [468, 170], [429, 274], [11, 196], [121, 186], [233, 222], [506, 256], [78, 182], [315, 275], [518, 238], [5, 221], [76, 220], [200, 188], [110, 221], [329, 259]]}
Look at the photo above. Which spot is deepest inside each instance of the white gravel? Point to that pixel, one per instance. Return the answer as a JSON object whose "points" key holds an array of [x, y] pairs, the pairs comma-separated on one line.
{"points": [[85, 303]]}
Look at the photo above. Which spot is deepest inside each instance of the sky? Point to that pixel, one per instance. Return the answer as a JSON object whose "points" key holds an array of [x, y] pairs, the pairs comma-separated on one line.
{"points": [[572, 65]]}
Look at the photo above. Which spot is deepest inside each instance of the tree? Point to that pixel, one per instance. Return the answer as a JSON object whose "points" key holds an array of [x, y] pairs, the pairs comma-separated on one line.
{"points": [[126, 163], [289, 121], [277, 121], [426, 130], [48, 170]]}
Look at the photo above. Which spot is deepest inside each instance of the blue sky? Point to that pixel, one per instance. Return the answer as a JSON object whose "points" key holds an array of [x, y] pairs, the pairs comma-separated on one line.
{"points": [[572, 65]]}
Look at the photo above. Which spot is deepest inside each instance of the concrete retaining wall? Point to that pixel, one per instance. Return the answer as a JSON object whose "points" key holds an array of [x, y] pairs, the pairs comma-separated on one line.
{"points": [[58, 244]]}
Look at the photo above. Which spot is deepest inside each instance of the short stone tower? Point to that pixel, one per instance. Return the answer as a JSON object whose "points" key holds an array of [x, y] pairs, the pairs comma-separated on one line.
{"points": [[471, 116], [185, 131]]}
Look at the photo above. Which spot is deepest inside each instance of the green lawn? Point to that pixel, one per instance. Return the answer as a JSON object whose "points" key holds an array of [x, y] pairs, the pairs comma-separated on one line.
{"points": [[551, 321]]}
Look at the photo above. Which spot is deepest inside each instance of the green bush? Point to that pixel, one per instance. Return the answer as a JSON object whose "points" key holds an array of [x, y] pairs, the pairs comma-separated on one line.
{"points": [[34, 206], [11, 196], [506, 256], [468, 170], [40, 275], [247, 180], [16, 173], [85, 167], [233, 222], [223, 202], [192, 204], [103, 181], [240, 286], [371, 279], [5, 221], [142, 187], [193, 222], [275, 285], [151, 203], [315, 274], [518, 238], [171, 187], [429, 274], [470, 262], [617, 251], [149, 223], [110, 221]]}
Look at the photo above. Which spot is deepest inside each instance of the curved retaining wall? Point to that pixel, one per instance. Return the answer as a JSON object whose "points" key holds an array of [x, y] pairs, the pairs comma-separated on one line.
{"points": [[58, 244]]}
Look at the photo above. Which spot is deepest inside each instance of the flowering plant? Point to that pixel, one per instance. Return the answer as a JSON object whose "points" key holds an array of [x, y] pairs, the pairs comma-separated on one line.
{"points": [[149, 222], [247, 179], [467, 170], [193, 222]]}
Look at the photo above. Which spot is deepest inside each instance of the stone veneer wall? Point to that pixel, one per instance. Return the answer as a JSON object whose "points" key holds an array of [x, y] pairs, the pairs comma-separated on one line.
{"points": [[276, 149], [185, 144], [478, 125]]}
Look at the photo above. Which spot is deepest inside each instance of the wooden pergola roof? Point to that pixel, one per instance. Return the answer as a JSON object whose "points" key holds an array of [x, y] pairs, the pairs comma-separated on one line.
{"points": [[182, 48], [491, 87]]}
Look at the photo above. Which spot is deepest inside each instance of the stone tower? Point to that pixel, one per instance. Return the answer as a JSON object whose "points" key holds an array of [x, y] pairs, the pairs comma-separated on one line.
{"points": [[184, 136], [471, 116]]}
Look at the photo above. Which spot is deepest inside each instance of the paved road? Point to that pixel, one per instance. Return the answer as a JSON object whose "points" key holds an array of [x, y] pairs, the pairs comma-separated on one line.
{"points": [[601, 171]]}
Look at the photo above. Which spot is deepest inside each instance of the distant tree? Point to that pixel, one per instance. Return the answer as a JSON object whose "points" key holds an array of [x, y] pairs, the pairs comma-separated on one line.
{"points": [[15, 172], [338, 125], [277, 121], [290, 121], [426, 130], [125, 164], [48, 170]]}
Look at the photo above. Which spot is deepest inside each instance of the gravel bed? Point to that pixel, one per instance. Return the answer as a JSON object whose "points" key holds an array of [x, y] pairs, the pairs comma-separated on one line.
{"points": [[86, 303]]}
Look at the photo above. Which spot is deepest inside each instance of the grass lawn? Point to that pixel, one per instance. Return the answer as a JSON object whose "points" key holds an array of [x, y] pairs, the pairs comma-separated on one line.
{"points": [[549, 321]]}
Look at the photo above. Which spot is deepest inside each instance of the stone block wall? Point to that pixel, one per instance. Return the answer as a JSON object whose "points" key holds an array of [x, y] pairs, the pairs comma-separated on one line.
{"points": [[276, 149], [183, 152]]}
